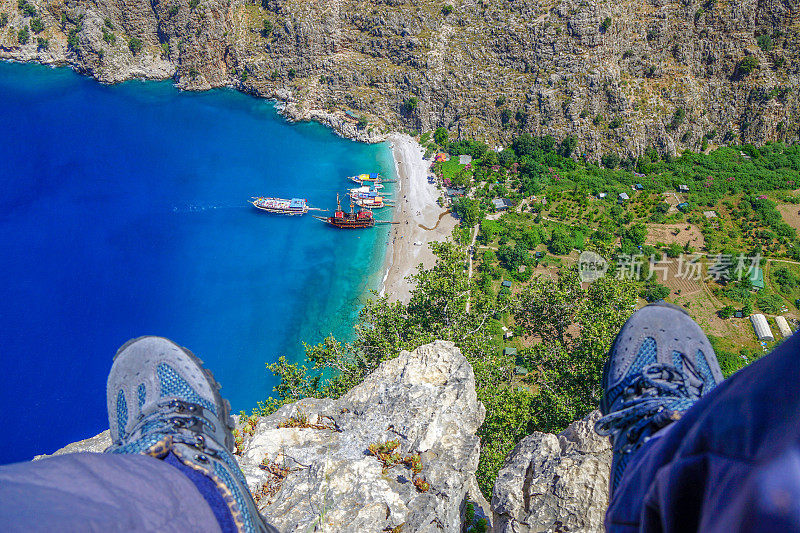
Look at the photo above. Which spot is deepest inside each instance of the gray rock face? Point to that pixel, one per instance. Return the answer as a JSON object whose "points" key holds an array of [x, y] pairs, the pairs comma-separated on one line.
{"points": [[555, 482], [325, 477], [95, 444], [612, 73]]}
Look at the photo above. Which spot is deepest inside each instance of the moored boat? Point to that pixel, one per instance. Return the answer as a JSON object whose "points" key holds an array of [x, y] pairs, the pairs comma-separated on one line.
{"points": [[368, 200], [340, 219], [369, 178], [361, 178], [280, 206]]}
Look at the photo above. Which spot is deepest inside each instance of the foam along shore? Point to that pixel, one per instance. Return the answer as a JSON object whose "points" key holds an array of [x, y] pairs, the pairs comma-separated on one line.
{"points": [[419, 219]]}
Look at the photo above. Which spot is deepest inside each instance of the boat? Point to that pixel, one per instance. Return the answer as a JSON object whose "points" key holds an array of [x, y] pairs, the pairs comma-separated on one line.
{"points": [[369, 178], [369, 200], [361, 178], [370, 203], [295, 206], [375, 187], [362, 219]]}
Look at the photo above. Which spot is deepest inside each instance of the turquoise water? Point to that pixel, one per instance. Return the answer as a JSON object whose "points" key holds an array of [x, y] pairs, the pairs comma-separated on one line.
{"points": [[124, 212]]}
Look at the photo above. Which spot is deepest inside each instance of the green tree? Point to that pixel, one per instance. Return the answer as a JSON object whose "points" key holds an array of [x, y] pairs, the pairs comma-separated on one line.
{"points": [[561, 241], [23, 35], [468, 210], [568, 146], [266, 27], [447, 9], [72, 39], [513, 257], [637, 233], [27, 8], [654, 291], [37, 26], [440, 136], [3, 19], [577, 326], [674, 250], [605, 24], [786, 280], [411, 104], [726, 312], [135, 45], [610, 160], [765, 43], [746, 66]]}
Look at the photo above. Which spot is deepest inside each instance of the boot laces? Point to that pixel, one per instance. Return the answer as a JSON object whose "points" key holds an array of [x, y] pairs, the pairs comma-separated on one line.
{"points": [[653, 399], [184, 421]]}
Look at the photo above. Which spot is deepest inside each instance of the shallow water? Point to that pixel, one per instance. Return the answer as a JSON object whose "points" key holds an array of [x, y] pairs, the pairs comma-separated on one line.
{"points": [[124, 212]]}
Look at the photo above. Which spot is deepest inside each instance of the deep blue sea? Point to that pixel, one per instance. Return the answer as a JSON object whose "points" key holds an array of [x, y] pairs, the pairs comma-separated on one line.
{"points": [[123, 212]]}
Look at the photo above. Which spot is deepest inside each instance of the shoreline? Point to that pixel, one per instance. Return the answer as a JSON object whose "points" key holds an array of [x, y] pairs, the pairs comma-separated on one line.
{"points": [[416, 207], [283, 99]]}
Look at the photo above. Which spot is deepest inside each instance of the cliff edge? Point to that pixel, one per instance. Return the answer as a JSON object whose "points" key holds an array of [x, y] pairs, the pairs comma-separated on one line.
{"points": [[401, 450]]}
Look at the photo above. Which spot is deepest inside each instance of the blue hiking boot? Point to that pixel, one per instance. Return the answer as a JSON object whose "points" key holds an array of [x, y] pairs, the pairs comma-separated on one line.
{"points": [[162, 401], [661, 363]]}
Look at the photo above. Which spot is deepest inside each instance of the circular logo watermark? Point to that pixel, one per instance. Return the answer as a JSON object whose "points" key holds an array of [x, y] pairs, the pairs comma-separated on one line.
{"points": [[591, 266]]}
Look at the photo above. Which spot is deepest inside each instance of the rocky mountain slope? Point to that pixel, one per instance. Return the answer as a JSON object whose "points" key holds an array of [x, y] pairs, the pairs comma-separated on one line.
{"points": [[321, 463], [620, 75]]}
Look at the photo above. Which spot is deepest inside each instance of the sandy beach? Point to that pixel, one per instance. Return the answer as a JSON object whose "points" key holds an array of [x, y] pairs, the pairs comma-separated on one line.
{"points": [[420, 219]]}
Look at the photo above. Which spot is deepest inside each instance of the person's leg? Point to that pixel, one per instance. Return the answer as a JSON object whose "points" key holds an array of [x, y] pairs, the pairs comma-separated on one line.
{"points": [[100, 492], [163, 403], [661, 363], [730, 462], [170, 466]]}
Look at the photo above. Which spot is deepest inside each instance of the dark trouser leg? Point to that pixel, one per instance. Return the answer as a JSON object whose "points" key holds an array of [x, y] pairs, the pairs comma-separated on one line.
{"points": [[731, 463], [99, 492]]}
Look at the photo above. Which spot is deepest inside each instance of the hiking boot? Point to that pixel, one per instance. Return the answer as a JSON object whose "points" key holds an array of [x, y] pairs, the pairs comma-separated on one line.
{"points": [[160, 401], [661, 363]]}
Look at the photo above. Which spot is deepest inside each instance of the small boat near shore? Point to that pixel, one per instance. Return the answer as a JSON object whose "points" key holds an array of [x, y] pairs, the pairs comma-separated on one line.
{"points": [[369, 178], [280, 206], [342, 220], [369, 200]]}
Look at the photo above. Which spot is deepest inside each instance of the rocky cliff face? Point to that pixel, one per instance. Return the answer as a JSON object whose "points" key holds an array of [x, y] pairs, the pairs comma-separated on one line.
{"points": [[612, 73], [554, 482]]}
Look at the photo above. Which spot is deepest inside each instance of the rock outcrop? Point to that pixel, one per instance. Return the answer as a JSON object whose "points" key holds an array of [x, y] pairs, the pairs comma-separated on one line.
{"points": [[555, 482], [311, 465], [619, 75], [95, 444]]}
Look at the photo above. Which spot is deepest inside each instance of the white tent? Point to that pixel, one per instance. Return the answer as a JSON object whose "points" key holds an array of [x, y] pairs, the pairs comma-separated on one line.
{"points": [[763, 332], [783, 326]]}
